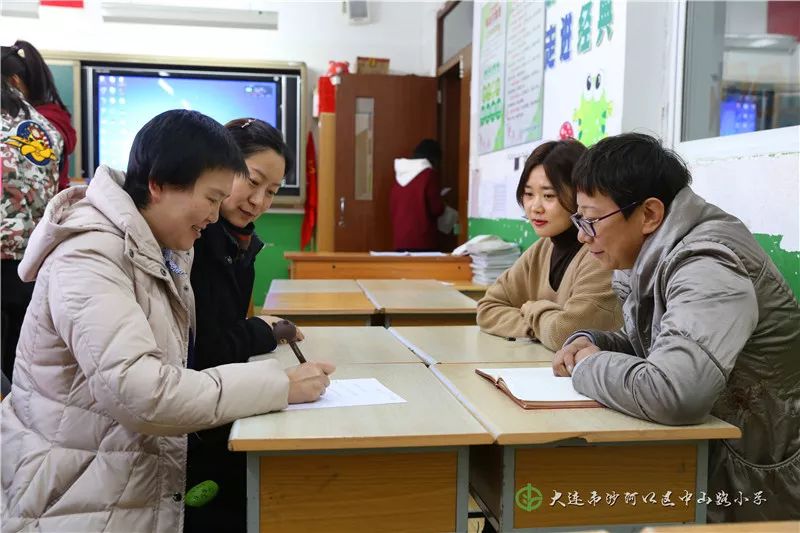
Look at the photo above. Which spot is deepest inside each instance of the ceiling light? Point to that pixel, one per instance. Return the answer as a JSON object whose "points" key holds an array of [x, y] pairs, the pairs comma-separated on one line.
{"points": [[146, 13], [20, 8]]}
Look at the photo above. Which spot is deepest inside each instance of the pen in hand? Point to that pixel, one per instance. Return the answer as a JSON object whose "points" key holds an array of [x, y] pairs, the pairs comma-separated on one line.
{"points": [[286, 332]]}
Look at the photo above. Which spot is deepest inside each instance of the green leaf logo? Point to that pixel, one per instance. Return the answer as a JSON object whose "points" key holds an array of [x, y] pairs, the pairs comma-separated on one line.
{"points": [[528, 498]]}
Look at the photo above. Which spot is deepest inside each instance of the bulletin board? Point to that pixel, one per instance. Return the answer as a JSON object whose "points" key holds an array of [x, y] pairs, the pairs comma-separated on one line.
{"points": [[546, 70]]}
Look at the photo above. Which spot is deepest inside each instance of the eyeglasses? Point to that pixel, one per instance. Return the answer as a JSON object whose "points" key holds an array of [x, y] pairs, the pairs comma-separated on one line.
{"points": [[587, 224]]}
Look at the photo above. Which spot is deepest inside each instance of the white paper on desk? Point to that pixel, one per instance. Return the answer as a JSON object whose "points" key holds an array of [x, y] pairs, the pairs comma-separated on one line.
{"points": [[536, 384], [350, 393], [388, 254], [426, 254]]}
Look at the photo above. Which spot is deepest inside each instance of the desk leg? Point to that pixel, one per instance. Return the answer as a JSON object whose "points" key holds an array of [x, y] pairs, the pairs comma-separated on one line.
{"points": [[253, 503], [701, 484], [462, 489]]}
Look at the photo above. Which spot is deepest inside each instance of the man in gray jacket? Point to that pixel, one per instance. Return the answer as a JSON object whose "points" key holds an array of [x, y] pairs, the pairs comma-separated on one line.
{"points": [[710, 325]]}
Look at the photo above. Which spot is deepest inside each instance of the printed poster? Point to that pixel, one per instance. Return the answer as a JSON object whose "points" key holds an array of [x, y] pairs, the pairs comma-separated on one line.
{"points": [[491, 74], [524, 70]]}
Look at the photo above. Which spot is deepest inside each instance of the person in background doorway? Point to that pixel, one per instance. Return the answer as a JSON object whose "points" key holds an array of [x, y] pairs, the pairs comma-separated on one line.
{"points": [[556, 286], [223, 274], [30, 147], [26, 70], [94, 430], [416, 202], [711, 326]]}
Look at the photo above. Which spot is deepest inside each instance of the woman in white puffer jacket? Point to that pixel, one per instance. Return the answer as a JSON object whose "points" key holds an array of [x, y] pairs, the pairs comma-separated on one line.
{"points": [[94, 430]]}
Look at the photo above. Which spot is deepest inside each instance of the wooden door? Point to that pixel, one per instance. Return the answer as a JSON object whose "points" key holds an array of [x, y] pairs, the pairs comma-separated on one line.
{"points": [[403, 112], [454, 86]]}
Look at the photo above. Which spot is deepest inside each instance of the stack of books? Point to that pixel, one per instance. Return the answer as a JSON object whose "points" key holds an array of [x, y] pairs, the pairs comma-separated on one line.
{"points": [[491, 256]]}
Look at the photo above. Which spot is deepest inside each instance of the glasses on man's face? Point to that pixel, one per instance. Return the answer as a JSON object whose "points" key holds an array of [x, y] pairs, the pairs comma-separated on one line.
{"points": [[587, 224]]}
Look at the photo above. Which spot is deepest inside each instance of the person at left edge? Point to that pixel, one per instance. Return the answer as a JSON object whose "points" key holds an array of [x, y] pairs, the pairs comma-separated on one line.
{"points": [[30, 148], [222, 277], [25, 69]]}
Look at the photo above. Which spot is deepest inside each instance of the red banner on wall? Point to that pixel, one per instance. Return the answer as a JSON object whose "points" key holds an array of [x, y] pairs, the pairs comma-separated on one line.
{"points": [[62, 3], [310, 218]]}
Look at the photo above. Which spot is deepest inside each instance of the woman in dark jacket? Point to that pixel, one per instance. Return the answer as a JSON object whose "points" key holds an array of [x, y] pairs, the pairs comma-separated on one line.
{"points": [[222, 277]]}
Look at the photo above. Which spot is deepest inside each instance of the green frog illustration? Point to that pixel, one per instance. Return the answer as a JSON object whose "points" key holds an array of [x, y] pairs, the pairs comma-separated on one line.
{"points": [[592, 114]]}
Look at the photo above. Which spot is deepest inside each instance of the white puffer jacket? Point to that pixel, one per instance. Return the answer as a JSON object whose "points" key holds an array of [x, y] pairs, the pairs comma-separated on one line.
{"points": [[93, 432]]}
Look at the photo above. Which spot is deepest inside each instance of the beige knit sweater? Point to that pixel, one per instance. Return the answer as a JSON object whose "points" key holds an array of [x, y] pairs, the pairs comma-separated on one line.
{"points": [[521, 302]]}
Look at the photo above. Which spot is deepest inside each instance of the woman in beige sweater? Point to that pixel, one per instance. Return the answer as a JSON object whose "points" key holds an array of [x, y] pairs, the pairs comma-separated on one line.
{"points": [[556, 287]]}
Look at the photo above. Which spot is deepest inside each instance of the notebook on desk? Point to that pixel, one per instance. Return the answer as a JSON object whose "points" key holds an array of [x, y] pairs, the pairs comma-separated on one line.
{"points": [[537, 388]]}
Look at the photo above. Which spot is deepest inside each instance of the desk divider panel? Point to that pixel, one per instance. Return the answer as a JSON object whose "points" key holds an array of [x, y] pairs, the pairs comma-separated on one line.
{"points": [[541, 474], [359, 492]]}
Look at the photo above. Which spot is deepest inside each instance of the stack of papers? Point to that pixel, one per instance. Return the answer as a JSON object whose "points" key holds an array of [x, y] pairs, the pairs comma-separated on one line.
{"points": [[488, 264]]}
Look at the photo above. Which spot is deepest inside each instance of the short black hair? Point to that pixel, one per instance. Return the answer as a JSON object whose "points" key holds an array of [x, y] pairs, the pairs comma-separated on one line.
{"points": [[558, 159], [629, 168], [24, 60], [428, 149], [253, 135], [175, 148]]}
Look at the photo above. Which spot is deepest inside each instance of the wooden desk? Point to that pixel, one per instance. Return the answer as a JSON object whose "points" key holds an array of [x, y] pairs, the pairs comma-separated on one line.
{"points": [[468, 344], [347, 345], [319, 303], [396, 467], [742, 527], [351, 265], [410, 302], [315, 285], [473, 290], [561, 451]]}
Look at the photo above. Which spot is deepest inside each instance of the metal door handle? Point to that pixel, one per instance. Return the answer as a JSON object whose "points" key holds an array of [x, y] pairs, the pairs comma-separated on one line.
{"points": [[341, 211]]}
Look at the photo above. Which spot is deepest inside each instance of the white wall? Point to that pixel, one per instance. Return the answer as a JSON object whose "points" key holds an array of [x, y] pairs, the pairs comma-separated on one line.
{"points": [[648, 92], [746, 17], [312, 32], [755, 176]]}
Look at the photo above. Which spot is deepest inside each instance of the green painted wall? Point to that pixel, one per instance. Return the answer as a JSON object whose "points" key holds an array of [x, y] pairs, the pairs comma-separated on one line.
{"points": [[787, 262], [519, 231], [281, 232]]}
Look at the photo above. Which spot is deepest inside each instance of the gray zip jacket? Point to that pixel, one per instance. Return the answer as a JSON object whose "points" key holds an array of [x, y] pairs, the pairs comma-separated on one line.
{"points": [[710, 326]]}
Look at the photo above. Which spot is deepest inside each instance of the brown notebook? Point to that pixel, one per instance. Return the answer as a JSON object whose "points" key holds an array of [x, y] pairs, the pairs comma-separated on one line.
{"points": [[537, 388]]}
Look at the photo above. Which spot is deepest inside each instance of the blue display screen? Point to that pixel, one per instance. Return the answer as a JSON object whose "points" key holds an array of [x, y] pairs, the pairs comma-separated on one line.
{"points": [[737, 114], [125, 102]]}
